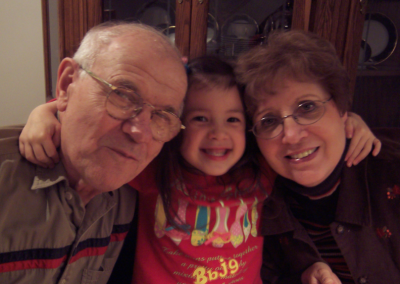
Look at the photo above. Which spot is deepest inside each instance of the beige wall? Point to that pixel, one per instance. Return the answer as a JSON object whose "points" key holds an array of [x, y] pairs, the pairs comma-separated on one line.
{"points": [[22, 82]]}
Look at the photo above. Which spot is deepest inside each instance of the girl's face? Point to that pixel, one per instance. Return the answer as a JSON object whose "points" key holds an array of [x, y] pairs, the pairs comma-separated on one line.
{"points": [[214, 138]]}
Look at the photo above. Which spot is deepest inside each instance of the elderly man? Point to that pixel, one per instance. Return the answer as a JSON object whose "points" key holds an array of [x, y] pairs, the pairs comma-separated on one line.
{"points": [[118, 100]]}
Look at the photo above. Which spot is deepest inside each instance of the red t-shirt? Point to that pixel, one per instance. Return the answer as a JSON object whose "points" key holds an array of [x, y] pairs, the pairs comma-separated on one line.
{"points": [[221, 241]]}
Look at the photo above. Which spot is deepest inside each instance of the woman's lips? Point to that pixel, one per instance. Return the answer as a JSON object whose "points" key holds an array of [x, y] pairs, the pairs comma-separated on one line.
{"points": [[303, 156]]}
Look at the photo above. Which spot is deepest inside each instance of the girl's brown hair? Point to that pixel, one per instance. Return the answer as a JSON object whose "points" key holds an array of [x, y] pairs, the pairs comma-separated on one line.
{"points": [[205, 73]]}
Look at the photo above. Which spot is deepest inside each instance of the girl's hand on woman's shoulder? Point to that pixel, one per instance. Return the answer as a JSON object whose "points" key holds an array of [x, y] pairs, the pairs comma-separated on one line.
{"points": [[362, 140]]}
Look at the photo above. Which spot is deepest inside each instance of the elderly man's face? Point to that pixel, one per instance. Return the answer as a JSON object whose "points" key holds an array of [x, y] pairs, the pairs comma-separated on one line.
{"points": [[99, 150]]}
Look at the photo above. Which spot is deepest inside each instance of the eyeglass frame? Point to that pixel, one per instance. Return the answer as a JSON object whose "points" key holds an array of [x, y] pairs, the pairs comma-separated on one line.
{"points": [[282, 118], [114, 88]]}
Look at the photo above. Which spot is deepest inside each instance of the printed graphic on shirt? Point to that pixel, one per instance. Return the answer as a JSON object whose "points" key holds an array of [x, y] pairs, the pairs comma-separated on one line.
{"points": [[232, 270], [229, 226], [235, 233]]}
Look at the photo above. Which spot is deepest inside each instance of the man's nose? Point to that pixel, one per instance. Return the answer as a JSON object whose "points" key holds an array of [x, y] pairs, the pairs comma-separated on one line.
{"points": [[139, 127], [292, 131]]}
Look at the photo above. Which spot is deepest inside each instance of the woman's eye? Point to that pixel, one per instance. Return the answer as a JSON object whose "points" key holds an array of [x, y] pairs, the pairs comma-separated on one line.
{"points": [[269, 121], [307, 106]]}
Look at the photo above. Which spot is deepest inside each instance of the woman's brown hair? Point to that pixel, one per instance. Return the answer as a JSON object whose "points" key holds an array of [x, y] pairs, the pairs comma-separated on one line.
{"points": [[293, 55]]}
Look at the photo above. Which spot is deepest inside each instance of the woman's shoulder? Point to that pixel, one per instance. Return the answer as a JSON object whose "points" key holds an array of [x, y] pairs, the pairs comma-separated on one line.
{"points": [[390, 138]]}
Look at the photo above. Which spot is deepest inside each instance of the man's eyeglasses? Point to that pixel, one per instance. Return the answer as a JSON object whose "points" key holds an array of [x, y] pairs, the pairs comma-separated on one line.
{"points": [[124, 103], [306, 113]]}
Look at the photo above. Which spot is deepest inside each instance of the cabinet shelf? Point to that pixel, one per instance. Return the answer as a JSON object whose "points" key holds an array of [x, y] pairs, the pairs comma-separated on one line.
{"points": [[378, 72]]}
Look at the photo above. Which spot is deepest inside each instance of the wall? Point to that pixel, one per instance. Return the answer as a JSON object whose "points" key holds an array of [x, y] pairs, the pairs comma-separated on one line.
{"points": [[22, 82]]}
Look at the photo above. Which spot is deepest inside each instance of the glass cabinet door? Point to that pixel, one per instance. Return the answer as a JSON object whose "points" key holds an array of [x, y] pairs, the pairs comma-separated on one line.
{"points": [[159, 13], [234, 27], [377, 92]]}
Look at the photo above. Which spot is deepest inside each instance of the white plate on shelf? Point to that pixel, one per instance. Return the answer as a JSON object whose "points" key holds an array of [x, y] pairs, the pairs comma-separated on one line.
{"points": [[155, 14], [381, 35]]}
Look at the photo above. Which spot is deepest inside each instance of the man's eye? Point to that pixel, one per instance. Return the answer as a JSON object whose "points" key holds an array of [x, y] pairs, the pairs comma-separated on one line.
{"points": [[269, 121], [163, 115], [308, 106], [128, 95]]}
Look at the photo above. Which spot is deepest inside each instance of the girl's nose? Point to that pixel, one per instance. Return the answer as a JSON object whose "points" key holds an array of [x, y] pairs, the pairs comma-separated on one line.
{"points": [[217, 132]]}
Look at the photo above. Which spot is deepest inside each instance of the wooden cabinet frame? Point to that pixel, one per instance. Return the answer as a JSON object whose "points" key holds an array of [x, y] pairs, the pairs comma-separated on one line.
{"points": [[339, 21]]}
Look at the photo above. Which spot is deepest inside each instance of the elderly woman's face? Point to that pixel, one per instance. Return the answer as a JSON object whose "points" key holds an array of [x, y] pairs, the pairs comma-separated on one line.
{"points": [[306, 154]]}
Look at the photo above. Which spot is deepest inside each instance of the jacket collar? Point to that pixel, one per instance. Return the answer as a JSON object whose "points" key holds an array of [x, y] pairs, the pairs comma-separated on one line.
{"points": [[353, 204]]}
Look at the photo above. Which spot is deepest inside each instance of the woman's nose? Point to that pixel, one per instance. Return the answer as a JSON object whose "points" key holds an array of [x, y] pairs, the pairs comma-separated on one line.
{"points": [[292, 131]]}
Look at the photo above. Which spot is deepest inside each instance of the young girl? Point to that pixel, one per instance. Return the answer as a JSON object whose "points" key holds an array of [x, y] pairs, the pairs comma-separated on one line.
{"points": [[200, 200]]}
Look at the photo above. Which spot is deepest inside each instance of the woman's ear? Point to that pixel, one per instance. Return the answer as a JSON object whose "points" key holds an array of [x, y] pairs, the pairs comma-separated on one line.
{"points": [[67, 72], [344, 116]]}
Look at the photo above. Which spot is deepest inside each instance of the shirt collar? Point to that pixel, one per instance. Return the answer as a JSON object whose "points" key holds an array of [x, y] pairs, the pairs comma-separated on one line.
{"points": [[45, 178]]}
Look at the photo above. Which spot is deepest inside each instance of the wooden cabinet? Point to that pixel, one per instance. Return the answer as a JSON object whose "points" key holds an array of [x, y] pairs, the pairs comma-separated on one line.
{"points": [[340, 21], [377, 85]]}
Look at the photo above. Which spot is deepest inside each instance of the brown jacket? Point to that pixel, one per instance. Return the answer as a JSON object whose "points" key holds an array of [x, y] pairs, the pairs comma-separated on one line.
{"points": [[366, 226]]}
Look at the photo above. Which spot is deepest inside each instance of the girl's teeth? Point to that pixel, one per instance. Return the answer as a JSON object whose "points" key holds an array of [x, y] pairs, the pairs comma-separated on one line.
{"points": [[217, 153], [304, 154]]}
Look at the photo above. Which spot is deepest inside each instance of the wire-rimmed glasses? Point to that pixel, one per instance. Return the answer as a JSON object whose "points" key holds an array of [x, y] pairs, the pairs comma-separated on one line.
{"points": [[306, 113]]}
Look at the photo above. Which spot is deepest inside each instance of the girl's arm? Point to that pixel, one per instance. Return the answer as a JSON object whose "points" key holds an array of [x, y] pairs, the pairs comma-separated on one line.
{"points": [[362, 140], [41, 136]]}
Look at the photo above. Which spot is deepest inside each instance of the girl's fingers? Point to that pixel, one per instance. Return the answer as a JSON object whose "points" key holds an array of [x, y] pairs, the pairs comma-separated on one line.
{"points": [[353, 148], [41, 156], [51, 151], [377, 147]]}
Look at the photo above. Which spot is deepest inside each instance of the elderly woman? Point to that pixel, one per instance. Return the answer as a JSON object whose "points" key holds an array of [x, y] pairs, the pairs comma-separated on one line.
{"points": [[297, 93]]}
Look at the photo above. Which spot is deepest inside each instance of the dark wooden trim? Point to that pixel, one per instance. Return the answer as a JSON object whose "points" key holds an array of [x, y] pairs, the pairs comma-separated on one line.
{"points": [[330, 20], [46, 48], [198, 34], [182, 26], [340, 22], [301, 15], [76, 17], [351, 50]]}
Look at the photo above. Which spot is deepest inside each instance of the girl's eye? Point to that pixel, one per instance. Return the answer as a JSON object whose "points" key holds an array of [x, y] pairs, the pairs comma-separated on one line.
{"points": [[199, 118], [233, 119]]}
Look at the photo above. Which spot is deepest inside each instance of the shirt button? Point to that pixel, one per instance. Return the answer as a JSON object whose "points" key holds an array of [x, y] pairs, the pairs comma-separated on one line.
{"points": [[362, 280], [63, 281], [68, 196], [340, 229]]}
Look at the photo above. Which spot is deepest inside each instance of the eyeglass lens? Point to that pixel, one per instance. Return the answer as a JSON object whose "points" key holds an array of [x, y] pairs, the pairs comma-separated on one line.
{"points": [[306, 113], [124, 104]]}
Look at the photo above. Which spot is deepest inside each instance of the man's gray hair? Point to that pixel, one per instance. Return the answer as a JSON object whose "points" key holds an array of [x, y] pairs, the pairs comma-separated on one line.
{"points": [[100, 37]]}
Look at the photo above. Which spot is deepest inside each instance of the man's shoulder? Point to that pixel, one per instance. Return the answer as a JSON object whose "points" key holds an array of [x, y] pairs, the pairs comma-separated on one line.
{"points": [[9, 139]]}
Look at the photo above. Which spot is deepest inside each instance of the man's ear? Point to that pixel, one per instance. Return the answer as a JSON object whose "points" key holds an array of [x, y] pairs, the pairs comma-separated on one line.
{"points": [[67, 73]]}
